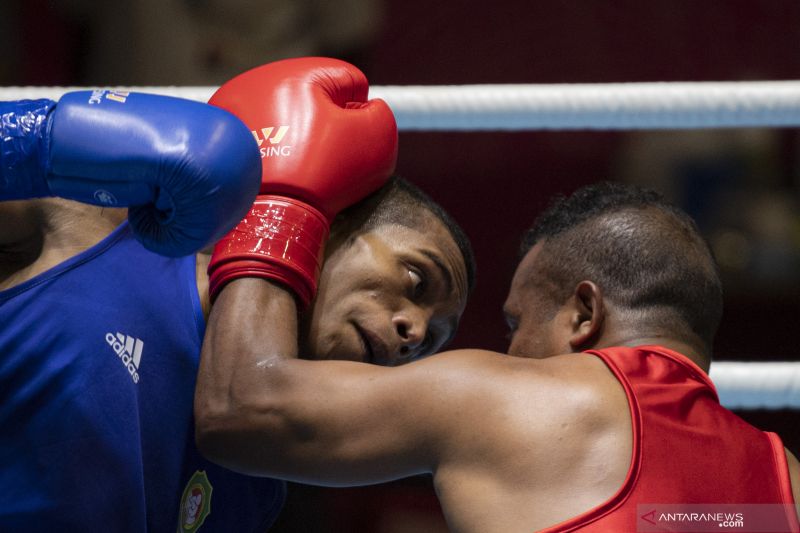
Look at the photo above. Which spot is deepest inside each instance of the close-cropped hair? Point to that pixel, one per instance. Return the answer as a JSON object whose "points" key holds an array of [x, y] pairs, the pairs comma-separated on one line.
{"points": [[645, 254], [403, 203]]}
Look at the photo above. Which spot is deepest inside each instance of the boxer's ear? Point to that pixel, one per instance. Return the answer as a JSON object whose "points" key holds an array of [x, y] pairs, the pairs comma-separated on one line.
{"points": [[588, 315]]}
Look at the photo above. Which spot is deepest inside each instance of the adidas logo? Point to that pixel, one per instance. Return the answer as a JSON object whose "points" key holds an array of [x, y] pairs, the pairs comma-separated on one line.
{"points": [[129, 351]]}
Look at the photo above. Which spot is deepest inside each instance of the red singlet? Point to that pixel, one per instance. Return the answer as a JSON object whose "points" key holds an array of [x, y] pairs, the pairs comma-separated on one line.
{"points": [[687, 448]]}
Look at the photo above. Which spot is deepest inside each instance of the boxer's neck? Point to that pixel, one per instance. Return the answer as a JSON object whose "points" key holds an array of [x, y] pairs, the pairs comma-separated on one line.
{"points": [[51, 231]]}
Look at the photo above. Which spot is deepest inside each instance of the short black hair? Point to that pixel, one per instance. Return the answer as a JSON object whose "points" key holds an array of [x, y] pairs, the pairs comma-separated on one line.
{"points": [[399, 202], [645, 254]]}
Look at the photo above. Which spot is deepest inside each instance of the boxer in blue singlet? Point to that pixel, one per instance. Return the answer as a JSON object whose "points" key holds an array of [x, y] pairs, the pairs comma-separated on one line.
{"points": [[101, 319]]}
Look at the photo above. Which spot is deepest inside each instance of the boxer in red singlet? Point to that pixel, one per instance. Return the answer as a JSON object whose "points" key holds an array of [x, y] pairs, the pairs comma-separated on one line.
{"points": [[605, 406]]}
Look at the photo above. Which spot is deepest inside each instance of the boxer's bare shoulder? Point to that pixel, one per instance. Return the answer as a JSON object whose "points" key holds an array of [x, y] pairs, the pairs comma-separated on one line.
{"points": [[36, 235], [549, 426]]}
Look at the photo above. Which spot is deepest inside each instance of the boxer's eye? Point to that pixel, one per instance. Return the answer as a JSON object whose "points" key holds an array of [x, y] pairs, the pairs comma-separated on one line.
{"points": [[513, 323], [419, 283]]}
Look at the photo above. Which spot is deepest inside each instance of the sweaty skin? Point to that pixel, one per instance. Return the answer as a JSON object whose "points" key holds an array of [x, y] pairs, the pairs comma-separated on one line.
{"points": [[498, 433], [387, 296]]}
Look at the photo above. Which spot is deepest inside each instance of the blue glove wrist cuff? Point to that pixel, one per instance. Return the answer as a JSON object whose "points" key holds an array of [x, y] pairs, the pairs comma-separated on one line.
{"points": [[23, 154]]}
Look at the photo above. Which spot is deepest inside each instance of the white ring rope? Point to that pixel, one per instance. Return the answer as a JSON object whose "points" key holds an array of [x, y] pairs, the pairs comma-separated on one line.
{"points": [[588, 106], [667, 105], [757, 385]]}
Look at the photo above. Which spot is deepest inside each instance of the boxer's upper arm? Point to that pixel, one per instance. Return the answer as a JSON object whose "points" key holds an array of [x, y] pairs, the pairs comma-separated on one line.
{"points": [[345, 423]]}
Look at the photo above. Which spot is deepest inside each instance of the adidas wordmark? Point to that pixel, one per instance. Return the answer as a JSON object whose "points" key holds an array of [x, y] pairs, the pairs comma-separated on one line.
{"points": [[129, 351]]}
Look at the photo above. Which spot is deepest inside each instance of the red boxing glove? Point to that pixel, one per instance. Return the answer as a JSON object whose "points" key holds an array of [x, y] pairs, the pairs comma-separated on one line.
{"points": [[324, 147]]}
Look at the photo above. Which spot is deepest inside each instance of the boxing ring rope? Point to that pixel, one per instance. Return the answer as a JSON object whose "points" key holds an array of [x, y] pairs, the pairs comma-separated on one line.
{"points": [[616, 106], [619, 106]]}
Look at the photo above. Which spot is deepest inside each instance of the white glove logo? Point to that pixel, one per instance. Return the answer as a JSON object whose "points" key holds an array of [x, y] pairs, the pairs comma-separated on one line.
{"points": [[266, 135]]}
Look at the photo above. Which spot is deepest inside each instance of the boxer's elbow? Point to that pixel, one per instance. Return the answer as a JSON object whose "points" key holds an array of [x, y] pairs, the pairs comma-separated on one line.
{"points": [[215, 426], [241, 430], [243, 441]]}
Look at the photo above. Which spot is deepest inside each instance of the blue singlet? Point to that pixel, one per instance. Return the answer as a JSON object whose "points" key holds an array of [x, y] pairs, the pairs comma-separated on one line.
{"points": [[98, 360]]}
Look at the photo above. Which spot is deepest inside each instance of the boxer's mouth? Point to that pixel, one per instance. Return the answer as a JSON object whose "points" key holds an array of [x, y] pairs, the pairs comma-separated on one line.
{"points": [[376, 349], [369, 354]]}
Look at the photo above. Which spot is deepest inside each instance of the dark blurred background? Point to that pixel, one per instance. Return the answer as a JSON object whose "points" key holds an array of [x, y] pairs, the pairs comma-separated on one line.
{"points": [[742, 185]]}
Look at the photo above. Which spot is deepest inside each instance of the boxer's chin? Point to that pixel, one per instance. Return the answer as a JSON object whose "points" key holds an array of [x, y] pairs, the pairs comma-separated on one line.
{"points": [[341, 344], [347, 346]]}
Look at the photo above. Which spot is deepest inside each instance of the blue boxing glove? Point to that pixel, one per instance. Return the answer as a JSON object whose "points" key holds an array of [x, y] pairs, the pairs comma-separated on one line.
{"points": [[188, 171]]}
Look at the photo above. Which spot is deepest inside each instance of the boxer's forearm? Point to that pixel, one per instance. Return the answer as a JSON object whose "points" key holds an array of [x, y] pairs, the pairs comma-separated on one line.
{"points": [[252, 327], [252, 323]]}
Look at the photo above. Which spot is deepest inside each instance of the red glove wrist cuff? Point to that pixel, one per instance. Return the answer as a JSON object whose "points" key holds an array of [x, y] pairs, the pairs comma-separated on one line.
{"points": [[281, 239]]}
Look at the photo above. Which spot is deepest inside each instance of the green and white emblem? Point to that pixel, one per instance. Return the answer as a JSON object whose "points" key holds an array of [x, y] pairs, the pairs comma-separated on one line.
{"points": [[195, 503]]}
